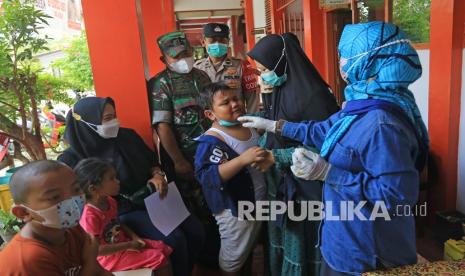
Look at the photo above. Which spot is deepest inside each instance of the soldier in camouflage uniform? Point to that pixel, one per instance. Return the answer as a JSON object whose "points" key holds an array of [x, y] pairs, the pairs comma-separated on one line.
{"points": [[234, 72], [176, 116], [177, 119]]}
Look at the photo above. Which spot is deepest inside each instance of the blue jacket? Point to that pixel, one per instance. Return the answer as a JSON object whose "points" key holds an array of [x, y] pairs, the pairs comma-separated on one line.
{"points": [[211, 152], [373, 161]]}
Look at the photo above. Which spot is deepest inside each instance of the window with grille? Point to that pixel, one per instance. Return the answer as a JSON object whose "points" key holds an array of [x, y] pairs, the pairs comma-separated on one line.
{"points": [[268, 16]]}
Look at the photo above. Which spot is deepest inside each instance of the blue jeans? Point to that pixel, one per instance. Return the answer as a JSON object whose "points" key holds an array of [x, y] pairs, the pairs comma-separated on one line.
{"points": [[186, 241]]}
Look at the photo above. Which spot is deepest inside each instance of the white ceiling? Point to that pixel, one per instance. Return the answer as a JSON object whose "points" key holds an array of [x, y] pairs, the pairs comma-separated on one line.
{"points": [[191, 9], [191, 5]]}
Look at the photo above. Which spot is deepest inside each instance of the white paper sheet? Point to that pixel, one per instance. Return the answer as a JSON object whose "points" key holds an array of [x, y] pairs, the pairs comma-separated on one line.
{"points": [[168, 213]]}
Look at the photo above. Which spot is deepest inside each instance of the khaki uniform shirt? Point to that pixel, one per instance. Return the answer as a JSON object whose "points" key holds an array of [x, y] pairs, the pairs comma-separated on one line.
{"points": [[232, 72]]}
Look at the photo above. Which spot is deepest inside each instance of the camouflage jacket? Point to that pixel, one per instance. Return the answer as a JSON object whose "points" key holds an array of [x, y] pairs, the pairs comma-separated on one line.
{"points": [[174, 100]]}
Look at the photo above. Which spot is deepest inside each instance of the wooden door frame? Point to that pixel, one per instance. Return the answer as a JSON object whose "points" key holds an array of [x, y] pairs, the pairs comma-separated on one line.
{"points": [[332, 76]]}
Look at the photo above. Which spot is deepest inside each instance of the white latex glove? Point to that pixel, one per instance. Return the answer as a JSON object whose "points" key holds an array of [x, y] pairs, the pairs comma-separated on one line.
{"points": [[258, 123], [309, 165]]}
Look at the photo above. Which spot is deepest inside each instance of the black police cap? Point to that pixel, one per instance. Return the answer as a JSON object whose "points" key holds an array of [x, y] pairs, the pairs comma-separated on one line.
{"points": [[215, 29]]}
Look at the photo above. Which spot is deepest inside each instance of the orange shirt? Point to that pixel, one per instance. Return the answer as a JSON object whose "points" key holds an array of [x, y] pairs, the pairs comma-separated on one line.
{"points": [[24, 256]]}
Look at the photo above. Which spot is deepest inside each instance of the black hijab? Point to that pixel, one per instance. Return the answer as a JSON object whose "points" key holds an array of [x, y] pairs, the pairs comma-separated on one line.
{"points": [[127, 152], [304, 96]]}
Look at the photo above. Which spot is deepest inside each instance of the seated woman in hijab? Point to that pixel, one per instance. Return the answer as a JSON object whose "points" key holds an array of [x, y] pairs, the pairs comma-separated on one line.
{"points": [[298, 93], [92, 130], [371, 153]]}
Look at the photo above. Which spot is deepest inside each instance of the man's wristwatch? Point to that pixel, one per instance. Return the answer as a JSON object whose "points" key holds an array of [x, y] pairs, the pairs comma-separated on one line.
{"points": [[279, 126]]}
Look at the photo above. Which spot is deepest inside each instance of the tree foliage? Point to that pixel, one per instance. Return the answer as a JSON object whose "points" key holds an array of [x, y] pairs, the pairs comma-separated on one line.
{"points": [[76, 66], [22, 87], [413, 17]]}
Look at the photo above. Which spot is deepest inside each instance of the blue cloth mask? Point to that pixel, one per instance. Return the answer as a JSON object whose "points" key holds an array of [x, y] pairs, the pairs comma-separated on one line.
{"points": [[271, 78], [228, 123], [217, 49]]}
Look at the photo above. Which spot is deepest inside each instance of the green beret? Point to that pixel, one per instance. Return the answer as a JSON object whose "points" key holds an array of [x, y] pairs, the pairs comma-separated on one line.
{"points": [[173, 43]]}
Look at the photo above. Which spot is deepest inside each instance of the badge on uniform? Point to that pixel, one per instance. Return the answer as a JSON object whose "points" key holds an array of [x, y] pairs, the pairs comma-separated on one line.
{"points": [[231, 71], [217, 29]]}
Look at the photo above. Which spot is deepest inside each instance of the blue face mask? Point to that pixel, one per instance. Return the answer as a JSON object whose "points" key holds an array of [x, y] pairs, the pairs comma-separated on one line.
{"points": [[227, 123], [217, 49], [270, 77]]}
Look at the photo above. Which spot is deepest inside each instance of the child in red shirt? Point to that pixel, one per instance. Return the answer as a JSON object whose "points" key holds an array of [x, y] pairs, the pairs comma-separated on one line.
{"points": [[120, 248], [48, 199]]}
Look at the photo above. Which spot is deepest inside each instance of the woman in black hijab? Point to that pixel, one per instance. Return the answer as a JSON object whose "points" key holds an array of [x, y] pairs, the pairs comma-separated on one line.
{"points": [[92, 130], [299, 94]]}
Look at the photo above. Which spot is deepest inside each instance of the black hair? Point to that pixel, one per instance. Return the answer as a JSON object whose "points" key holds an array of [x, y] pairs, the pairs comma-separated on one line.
{"points": [[21, 179], [206, 98], [90, 171]]}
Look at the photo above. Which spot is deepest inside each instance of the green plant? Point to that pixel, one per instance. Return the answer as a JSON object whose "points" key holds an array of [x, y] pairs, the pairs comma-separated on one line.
{"points": [[9, 223], [75, 66], [22, 85], [413, 17]]}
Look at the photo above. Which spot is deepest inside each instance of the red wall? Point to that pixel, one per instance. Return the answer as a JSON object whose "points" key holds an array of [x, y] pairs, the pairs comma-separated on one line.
{"points": [[117, 52], [157, 19], [445, 85], [116, 58], [315, 39]]}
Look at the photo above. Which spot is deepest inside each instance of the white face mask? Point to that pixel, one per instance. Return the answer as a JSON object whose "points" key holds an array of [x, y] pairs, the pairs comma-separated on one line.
{"points": [[107, 129], [182, 66], [65, 214]]}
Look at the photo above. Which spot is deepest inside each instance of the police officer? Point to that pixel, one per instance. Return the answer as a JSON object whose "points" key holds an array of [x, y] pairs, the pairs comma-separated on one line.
{"points": [[219, 67]]}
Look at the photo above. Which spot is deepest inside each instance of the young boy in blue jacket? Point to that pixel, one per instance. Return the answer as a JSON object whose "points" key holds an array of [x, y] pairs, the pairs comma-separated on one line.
{"points": [[223, 168]]}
